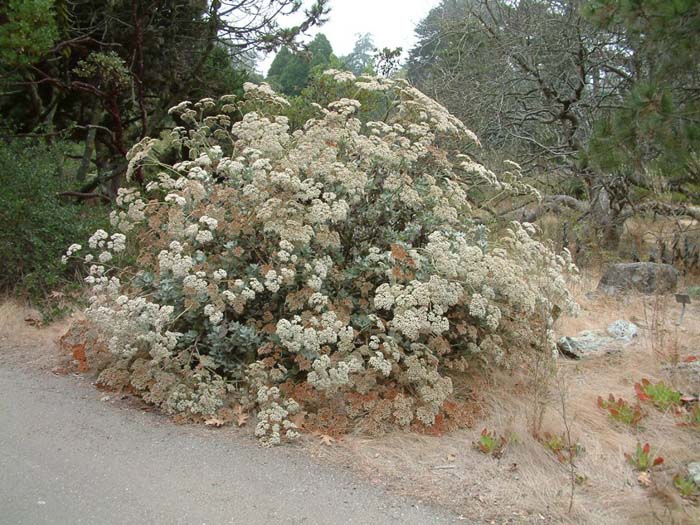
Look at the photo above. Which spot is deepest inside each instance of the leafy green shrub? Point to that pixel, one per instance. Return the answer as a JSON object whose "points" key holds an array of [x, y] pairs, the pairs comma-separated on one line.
{"points": [[693, 291], [27, 32], [36, 224], [557, 444], [691, 416], [660, 395], [338, 263], [686, 486], [490, 444], [622, 411], [642, 459]]}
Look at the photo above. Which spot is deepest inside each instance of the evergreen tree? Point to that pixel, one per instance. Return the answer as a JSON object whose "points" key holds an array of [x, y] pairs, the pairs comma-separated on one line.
{"points": [[321, 51], [655, 130], [361, 59], [289, 72]]}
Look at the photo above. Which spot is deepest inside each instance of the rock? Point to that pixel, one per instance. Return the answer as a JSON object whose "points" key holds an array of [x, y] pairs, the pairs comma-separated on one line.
{"points": [[583, 345], [694, 471], [593, 342], [644, 277], [593, 295], [623, 330]]}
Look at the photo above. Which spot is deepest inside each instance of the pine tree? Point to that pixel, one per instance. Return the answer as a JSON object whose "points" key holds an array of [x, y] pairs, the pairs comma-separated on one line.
{"points": [[289, 72], [362, 57], [655, 130]]}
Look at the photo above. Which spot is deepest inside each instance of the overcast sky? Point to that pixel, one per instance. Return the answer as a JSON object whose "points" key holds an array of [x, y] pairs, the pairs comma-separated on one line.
{"points": [[391, 23]]}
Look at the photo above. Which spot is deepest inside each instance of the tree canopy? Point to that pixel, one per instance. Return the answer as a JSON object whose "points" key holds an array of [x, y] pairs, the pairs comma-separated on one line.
{"points": [[290, 71], [107, 72], [362, 56], [599, 97], [656, 127]]}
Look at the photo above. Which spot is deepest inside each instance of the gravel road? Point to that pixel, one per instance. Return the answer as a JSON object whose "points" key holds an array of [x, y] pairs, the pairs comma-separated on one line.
{"points": [[68, 457]]}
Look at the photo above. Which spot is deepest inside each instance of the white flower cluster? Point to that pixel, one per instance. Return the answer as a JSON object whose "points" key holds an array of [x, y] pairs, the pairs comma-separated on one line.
{"points": [[133, 325], [100, 241], [72, 249], [340, 76], [134, 212], [432, 388], [380, 363], [264, 92], [274, 424], [213, 313], [138, 153], [204, 398], [326, 377], [308, 338], [419, 308], [173, 261], [341, 253]]}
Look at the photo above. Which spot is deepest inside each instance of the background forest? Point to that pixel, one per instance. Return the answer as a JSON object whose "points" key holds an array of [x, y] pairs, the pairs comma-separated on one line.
{"points": [[596, 100]]}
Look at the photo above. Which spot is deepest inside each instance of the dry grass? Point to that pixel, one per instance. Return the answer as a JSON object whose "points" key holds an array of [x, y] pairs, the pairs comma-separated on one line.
{"points": [[646, 236], [23, 341], [528, 484]]}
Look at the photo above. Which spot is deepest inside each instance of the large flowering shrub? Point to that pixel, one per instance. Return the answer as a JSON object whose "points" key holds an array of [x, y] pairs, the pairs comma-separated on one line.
{"points": [[335, 262]]}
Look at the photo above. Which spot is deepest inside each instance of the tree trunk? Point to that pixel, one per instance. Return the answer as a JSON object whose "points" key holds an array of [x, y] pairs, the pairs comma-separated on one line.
{"points": [[89, 142], [606, 228]]}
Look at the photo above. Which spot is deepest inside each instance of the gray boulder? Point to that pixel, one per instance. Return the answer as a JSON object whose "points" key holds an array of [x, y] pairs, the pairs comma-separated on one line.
{"points": [[622, 330], [694, 471], [595, 342], [644, 277], [585, 344]]}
